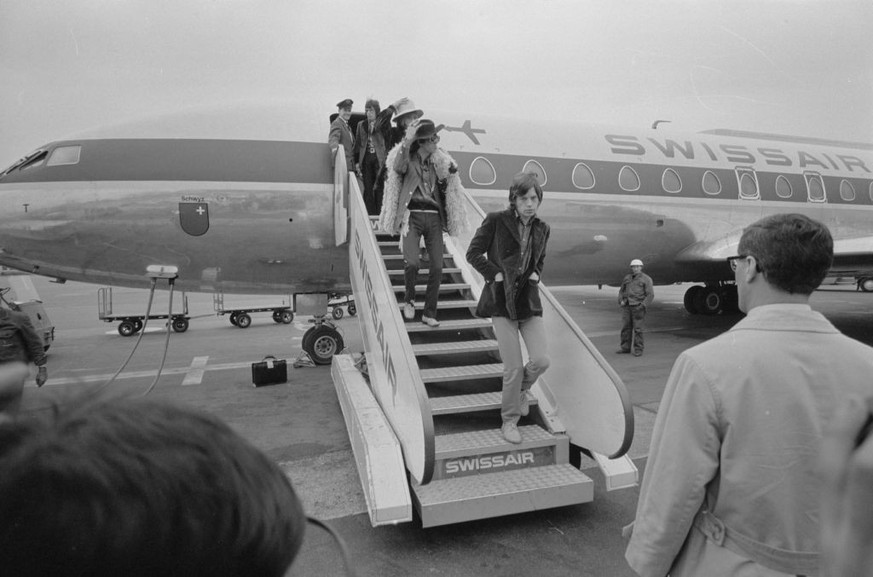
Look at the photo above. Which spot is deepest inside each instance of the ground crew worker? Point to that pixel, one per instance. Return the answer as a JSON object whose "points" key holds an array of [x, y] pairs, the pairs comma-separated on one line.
{"points": [[634, 296], [19, 344]]}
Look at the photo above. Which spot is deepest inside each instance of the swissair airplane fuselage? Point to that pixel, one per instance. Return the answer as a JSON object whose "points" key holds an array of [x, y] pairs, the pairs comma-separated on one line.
{"points": [[239, 208]]}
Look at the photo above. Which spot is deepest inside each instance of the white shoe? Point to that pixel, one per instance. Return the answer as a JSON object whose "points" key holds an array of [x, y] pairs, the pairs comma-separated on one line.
{"points": [[524, 406], [430, 321], [511, 433], [409, 311]]}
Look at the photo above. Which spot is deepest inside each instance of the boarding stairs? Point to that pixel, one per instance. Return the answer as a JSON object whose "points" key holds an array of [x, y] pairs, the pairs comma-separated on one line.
{"points": [[439, 394]]}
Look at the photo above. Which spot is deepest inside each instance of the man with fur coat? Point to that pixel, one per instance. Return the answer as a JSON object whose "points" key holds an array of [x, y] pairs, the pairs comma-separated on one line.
{"points": [[423, 198]]}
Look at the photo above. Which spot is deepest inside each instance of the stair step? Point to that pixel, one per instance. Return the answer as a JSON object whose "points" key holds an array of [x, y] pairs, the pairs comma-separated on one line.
{"points": [[455, 325], [387, 257], [446, 286], [457, 404], [446, 270], [463, 373], [490, 441], [446, 304], [455, 347], [483, 496]]}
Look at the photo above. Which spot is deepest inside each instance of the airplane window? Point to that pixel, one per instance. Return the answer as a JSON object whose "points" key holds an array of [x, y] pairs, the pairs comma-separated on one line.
{"points": [[64, 155], [670, 181], [814, 187], [711, 183], [628, 179], [482, 171], [847, 191], [536, 168], [748, 184], [783, 187], [583, 177]]}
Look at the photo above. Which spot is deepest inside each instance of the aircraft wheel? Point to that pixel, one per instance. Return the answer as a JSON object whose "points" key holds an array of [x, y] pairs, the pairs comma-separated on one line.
{"points": [[866, 285], [137, 326], [287, 317], [322, 343], [180, 325], [277, 316], [233, 319], [691, 297], [352, 310], [243, 320], [337, 312], [126, 328], [708, 301]]}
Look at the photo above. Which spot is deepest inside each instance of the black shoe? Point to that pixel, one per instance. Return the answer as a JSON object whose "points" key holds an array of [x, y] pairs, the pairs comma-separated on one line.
{"points": [[638, 353], [622, 352]]}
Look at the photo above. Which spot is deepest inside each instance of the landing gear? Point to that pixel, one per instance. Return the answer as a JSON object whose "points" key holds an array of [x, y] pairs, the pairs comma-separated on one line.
{"points": [[711, 299], [322, 341]]}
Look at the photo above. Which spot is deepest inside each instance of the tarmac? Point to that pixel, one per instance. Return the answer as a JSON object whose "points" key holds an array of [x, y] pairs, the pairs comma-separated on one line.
{"points": [[299, 424]]}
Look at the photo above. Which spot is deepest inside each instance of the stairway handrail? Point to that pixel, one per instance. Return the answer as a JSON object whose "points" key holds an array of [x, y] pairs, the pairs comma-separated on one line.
{"points": [[391, 364]]}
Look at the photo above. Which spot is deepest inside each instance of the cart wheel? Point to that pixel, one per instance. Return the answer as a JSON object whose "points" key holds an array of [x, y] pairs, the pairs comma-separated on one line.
{"points": [[277, 316], [126, 328], [322, 343], [243, 320], [180, 324], [352, 309], [337, 312], [287, 317], [233, 319]]}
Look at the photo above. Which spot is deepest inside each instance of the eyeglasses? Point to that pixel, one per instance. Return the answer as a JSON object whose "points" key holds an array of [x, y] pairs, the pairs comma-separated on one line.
{"points": [[435, 138], [732, 260]]}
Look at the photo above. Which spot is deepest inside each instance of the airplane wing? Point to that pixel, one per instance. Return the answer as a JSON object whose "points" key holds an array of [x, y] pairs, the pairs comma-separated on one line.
{"points": [[850, 254]]}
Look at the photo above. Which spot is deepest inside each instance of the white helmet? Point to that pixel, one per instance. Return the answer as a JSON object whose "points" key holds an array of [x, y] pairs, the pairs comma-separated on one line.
{"points": [[636, 262]]}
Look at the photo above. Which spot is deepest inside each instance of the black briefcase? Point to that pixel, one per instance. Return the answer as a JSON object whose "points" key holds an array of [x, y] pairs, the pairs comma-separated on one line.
{"points": [[270, 371]]}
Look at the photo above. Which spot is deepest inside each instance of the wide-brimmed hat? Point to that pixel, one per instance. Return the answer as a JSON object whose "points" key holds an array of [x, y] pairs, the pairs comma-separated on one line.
{"points": [[426, 129], [408, 107]]}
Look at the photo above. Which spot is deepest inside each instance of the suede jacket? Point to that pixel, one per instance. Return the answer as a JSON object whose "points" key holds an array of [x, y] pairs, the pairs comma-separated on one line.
{"points": [[498, 238]]}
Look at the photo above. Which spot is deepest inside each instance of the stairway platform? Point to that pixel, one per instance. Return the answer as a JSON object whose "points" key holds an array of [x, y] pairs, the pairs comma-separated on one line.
{"points": [[491, 495], [464, 373], [455, 347], [457, 404]]}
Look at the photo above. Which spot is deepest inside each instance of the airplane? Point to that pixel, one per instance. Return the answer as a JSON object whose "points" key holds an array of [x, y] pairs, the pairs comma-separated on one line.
{"points": [[240, 199]]}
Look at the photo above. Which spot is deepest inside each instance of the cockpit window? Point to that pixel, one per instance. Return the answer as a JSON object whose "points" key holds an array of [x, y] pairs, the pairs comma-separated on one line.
{"points": [[64, 155], [33, 159]]}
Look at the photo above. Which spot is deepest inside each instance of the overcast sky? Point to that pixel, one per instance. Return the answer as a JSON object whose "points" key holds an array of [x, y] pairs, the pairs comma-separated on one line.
{"points": [[793, 67]]}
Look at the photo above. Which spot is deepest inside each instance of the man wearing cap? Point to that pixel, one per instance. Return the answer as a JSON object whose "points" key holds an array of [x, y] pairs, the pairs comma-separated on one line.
{"points": [[636, 293], [341, 134], [423, 197]]}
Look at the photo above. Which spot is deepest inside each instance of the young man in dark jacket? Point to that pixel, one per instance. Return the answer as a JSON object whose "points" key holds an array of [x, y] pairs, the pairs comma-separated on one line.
{"points": [[509, 250]]}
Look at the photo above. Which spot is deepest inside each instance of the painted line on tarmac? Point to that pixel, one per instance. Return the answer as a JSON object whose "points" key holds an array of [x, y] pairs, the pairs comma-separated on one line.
{"points": [[195, 372], [145, 374]]}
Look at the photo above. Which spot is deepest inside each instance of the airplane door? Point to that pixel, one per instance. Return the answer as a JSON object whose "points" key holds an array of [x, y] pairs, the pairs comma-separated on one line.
{"points": [[340, 198]]}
